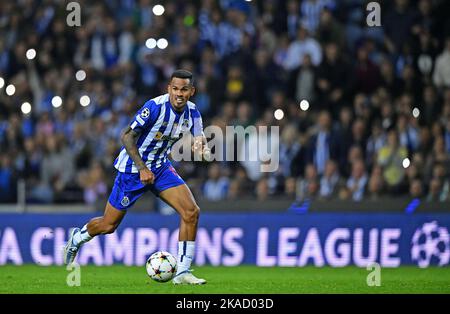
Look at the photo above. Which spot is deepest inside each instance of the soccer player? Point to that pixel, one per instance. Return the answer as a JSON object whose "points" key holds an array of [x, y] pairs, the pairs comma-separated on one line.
{"points": [[143, 165]]}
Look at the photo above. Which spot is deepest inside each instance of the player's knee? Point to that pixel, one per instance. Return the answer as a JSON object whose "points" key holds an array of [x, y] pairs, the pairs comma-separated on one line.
{"points": [[191, 214]]}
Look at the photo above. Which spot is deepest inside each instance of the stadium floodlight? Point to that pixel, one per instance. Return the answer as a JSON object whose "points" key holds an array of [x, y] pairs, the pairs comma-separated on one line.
{"points": [[10, 90], [31, 54], [406, 162], [25, 108], [278, 114], [85, 100], [162, 43], [304, 105], [56, 101], [80, 75], [150, 43], [158, 10], [416, 113], [2, 82]]}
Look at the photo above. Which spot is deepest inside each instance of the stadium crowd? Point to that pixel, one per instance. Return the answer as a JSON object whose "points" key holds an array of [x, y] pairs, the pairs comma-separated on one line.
{"points": [[377, 125]]}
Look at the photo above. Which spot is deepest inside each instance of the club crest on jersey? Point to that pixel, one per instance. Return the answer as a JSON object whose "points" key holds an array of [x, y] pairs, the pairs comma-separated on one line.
{"points": [[145, 113], [185, 125], [125, 201]]}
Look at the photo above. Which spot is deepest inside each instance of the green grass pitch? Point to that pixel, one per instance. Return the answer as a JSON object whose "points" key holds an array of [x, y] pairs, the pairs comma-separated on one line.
{"points": [[226, 280]]}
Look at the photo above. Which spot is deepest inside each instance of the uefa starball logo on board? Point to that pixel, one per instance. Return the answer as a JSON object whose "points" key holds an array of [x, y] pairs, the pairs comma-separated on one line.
{"points": [[431, 245]]}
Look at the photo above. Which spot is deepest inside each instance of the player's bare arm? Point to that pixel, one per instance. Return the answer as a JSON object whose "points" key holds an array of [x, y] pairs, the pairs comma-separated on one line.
{"points": [[129, 138]]}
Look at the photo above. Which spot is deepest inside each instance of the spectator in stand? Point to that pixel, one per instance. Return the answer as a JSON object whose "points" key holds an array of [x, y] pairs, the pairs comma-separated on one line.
{"points": [[262, 190], [311, 12], [308, 186], [388, 78], [430, 105], [305, 81], [304, 44], [447, 137], [376, 183], [375, 142], [416, 189], [290, 187], [330, 181], [325, 144], [93, 183], [434, 191], [235, 83], [293, 18], [330, 30], [356, 183], [289, 148], [332, 82], [58, 170], [397, 25], [366, 75], [408, 134], [441, 75], [216, 186], [8, 180], [240, 185], [266, 78], [390, 158], [244, 115], [425, 51]]}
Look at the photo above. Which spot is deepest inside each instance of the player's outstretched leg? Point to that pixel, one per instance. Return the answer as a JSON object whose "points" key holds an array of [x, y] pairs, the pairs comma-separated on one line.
{"points": [[99, 225], [182, 200]]}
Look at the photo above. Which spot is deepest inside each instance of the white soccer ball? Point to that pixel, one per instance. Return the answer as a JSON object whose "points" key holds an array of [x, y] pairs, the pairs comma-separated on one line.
{"points": [[161, 266]]}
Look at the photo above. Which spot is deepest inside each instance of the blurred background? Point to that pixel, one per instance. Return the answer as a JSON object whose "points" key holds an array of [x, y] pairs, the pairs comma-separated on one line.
{"points": [[364, 112]]}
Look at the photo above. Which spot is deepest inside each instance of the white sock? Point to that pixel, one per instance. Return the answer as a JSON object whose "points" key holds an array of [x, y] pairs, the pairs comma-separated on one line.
{"points": [[186, 250], [81, 237]]}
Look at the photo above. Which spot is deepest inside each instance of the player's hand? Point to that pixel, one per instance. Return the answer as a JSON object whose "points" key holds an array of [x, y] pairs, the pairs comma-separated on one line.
{"points": [[201, 152], [206, 154], [197, 147], [146, 176]]}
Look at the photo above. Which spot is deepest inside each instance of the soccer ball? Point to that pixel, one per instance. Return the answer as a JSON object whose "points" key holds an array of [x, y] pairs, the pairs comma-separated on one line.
{"points": [[161, 266]]}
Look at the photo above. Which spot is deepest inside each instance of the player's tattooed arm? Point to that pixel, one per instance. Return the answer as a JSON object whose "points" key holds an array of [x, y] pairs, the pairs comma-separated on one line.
{"points": [[129, 138]]}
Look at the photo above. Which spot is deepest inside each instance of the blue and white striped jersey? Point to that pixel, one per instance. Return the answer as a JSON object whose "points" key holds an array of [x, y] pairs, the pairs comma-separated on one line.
{"points": [[160, 126]]}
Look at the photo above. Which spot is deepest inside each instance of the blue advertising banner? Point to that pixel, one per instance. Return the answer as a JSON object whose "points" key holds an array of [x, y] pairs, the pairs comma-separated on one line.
{"points": [[294, 240]]}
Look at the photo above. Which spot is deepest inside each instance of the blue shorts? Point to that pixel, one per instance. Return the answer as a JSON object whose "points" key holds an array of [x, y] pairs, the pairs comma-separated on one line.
{"points": [[128, 187]]}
